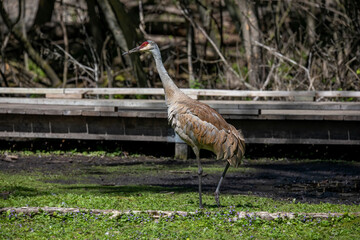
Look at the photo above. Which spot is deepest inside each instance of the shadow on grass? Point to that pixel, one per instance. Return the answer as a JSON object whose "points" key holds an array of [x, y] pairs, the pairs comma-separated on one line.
{"points": [[19, 191], [128, 189]]}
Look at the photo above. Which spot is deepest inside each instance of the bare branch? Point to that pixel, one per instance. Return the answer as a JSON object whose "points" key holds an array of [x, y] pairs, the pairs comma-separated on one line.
{"points": [[87, 69], [142, 22], [227, 65], [282, 57]]}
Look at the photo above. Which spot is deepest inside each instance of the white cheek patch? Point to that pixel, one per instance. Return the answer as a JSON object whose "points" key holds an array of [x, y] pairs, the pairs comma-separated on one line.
{"points": [[147, 47]]}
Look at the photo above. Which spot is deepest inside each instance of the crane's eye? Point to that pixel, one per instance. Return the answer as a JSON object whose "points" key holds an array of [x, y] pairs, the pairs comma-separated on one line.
{"points": [[144, 44]]}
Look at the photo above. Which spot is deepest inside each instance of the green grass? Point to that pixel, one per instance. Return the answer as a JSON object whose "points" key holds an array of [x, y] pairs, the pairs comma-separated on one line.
{"points": [[36, 189], [201, 226]]}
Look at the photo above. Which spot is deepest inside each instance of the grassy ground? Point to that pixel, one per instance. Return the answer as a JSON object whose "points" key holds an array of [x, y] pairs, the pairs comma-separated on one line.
{"points": [[38, 188]]}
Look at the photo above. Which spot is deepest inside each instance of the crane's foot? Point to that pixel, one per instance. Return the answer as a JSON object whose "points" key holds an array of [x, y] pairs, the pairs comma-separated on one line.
{"points": [[217, 198]]}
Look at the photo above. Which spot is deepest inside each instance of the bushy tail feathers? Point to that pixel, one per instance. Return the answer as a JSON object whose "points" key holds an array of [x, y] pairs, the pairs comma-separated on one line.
{"points": [[232, 146], [235, 160]]}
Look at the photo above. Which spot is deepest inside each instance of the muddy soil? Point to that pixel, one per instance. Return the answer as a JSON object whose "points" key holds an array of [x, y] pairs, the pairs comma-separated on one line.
{"points": [[311, 181]]}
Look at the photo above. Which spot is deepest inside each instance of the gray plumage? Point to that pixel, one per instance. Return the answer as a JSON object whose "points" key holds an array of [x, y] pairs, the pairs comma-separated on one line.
{"points": [[200, 126]]}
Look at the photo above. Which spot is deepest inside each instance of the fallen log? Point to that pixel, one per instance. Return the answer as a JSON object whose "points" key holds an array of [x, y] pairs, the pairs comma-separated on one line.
{"points": [[156, 214]]}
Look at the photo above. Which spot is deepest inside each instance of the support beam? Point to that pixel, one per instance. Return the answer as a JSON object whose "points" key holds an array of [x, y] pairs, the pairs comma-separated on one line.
{"points": [[181, 148]]}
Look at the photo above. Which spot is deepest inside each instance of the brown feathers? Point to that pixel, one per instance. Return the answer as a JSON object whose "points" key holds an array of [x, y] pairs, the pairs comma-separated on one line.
{"points": [[201, 126]]}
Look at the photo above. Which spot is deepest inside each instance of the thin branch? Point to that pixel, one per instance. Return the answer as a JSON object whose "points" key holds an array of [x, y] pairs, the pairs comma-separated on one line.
{"points": [[142, 22], [87, 69], [268, 78], [227, 65], [279, 55]]}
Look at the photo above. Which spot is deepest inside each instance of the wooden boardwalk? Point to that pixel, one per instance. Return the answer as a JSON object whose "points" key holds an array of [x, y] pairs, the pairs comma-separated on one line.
{"points": [[68, 116]]}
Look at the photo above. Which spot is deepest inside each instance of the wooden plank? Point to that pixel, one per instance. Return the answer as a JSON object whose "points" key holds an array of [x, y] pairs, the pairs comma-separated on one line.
{"points": [[108, 114], [160, 104], [106, 108], [240, 93], [283, 105], [338, 94], [334, 117], [127, 103], [87, 136], [170, 139], [304, 117], [302, 141], [308, 112], [72, 112], [272, 117], [64, 95], [89, 91], [16, 90], [16, 111], [90, 113], [352, 118], [192, 92], [239, 111]]}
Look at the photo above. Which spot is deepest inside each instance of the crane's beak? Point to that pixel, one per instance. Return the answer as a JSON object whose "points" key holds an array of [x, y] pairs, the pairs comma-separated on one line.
{"points": [[137, 49]]}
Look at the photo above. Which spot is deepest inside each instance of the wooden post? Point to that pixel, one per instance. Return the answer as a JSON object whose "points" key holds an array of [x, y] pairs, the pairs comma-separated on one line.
{"points": [[181, 148]]}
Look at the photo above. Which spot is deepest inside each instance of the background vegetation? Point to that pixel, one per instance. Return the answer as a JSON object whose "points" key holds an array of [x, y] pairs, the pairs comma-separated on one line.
{"points": [[242, 44]]}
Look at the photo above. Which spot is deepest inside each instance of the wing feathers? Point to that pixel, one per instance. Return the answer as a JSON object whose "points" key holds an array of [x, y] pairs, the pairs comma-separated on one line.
{"points": [[199, 125]]}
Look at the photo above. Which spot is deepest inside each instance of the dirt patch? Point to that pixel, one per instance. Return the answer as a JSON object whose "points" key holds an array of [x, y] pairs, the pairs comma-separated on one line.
{"points": [[306, 181]]}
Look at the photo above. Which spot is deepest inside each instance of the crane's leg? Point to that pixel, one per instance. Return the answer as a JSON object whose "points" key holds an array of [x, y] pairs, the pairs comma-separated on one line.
{"points": [[217, 191], [200, 171]]}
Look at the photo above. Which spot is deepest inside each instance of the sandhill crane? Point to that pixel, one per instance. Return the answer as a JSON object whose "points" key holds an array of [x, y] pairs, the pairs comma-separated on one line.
{"points": [[200, 126]]}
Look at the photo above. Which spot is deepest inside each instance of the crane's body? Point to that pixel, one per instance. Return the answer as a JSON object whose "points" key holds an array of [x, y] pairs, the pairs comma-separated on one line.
{"points": [[200, 126]]}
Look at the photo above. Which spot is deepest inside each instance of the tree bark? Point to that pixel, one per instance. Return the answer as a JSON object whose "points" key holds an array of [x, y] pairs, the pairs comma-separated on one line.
{"points": [[124, 34], [310, 28], [44, 12], [55, 80], [243, 14], [96, 26], [192, 82], [249, 26]]}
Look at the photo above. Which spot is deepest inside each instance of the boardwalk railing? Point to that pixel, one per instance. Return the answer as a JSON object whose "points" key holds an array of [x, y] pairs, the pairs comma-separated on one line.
{"points": [[83, 113], [194, 93]]}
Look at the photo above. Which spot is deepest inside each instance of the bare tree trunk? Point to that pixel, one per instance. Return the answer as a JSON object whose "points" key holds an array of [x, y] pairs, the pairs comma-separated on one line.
{"points": [[189, 57], [310, 21], [243, 14], [23, 30], [249, 26], [55, 80], [255, 50], [44, 12], [124, 33], [208, 22], [66, 44], [96, 26]]}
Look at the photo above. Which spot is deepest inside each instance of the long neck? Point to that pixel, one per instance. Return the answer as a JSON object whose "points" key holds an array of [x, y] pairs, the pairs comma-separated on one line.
{"points": [[171, 90]]}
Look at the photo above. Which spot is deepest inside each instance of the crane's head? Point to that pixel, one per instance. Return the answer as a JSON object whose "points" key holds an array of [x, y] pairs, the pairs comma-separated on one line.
{"points": [[144, 47]]}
